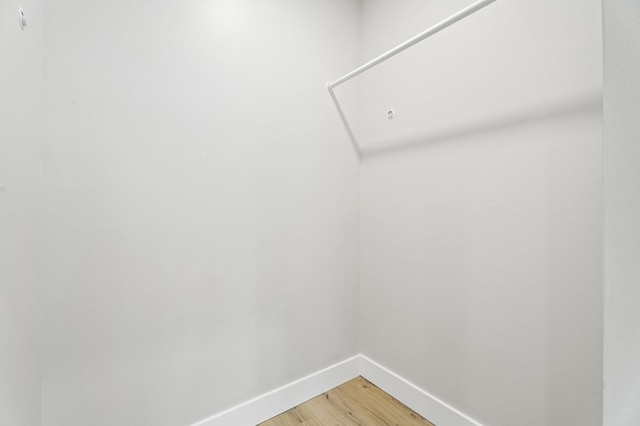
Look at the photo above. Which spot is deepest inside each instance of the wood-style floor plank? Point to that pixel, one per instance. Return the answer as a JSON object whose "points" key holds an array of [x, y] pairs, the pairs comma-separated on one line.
{"points": [[355, 403]]}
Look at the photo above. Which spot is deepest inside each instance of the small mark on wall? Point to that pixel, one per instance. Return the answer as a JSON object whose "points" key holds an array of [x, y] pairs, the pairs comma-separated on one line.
{"points": [[22, 19]]}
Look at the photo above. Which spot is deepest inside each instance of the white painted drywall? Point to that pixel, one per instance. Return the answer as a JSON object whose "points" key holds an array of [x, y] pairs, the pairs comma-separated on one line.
{"points": [[20, 213], [201, 204], [481, 271], [622, 212], [508, 61]]}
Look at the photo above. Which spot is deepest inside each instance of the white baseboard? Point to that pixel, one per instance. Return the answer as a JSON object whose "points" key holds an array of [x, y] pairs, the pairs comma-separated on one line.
{"points": [[422, 402], [272, 403]]}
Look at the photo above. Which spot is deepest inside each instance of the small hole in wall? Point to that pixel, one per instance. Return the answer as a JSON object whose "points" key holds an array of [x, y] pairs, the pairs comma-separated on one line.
{"points": [[391, 113]]}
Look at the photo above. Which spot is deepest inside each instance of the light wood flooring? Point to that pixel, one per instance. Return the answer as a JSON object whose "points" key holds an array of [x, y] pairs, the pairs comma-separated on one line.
{"points": [[357, 402]]}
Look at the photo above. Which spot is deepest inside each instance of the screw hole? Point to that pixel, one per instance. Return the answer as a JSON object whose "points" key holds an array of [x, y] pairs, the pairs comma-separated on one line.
{"points": [[391, 113]]}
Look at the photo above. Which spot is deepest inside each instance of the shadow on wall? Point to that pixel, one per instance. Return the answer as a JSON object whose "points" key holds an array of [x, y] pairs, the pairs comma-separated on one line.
{"points": [[576, 107]]}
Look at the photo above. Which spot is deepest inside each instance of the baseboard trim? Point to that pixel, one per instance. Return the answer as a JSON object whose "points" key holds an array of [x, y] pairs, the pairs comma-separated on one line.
{"points": [[295, 393], [270, 404], [422, 402]]}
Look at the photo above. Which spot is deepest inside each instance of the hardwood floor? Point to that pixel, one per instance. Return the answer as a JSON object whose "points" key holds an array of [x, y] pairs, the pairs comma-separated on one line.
{"points": [[357, 402]]}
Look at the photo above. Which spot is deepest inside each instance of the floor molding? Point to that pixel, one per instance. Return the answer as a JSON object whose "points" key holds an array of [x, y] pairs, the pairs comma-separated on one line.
{"points": [[272, 403], [422, 402]]}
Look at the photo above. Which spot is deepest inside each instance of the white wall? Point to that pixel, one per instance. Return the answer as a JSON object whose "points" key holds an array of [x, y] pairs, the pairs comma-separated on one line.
{"points": [[20, 209], [622, 212], [481, 207], [201, 204]]}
